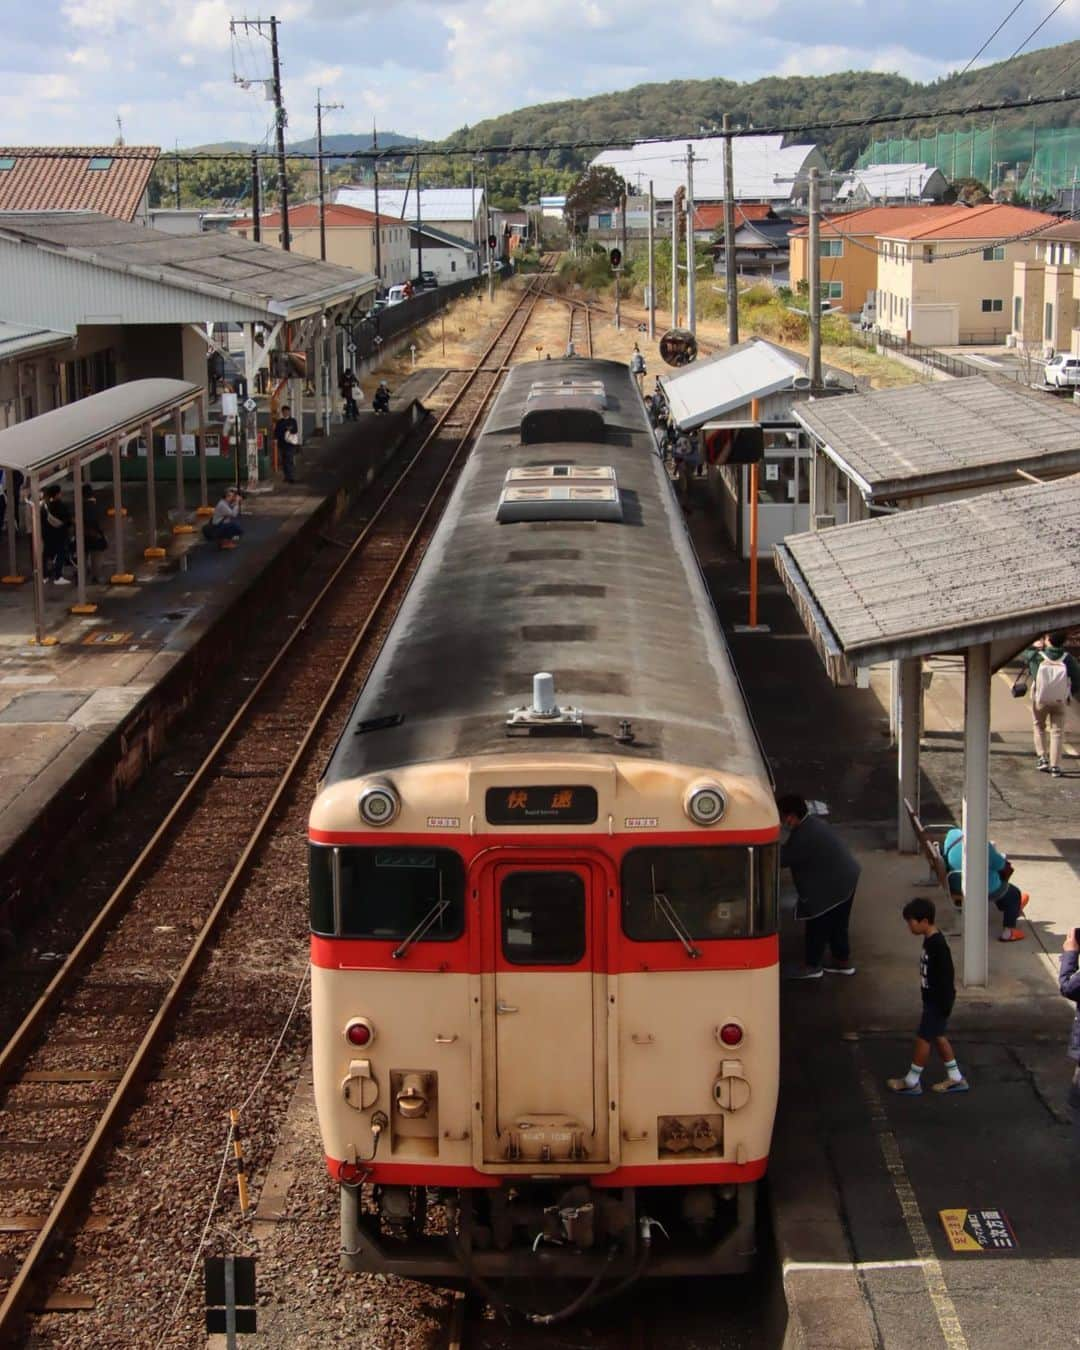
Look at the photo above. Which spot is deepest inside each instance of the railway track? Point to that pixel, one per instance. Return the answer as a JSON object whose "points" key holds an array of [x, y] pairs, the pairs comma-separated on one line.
{"points": [[579, 330], [75, 1066]]}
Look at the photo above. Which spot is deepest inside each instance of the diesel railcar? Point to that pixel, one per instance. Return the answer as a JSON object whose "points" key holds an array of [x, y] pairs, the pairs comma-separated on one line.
{"points": [[543, 878]]}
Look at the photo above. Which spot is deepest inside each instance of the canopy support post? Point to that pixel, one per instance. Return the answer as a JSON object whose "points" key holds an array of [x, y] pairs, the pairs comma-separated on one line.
{"points": [[909, 671], [181, 526], [976, 817], [81, 557], [13, 578], [121, 577], [37, 552], [204, 508], [152, 549]]}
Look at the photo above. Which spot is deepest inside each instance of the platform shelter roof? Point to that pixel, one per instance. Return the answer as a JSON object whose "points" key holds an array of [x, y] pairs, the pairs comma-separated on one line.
{"points": [[22, 340], [1002, 568], [941, 437], [86, 428]]}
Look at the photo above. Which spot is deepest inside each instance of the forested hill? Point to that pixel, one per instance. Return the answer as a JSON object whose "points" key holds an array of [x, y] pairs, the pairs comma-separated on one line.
{"points": [[681, 107]]}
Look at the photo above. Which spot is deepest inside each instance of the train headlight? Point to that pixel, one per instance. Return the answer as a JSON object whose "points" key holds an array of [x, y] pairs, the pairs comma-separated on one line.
{"points": [[359, 1031], [705, 803], [378, 804]]}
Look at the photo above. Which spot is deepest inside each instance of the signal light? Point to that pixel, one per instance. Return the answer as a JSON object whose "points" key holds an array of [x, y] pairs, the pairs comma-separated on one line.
{"points": [[731, 1034], [493, 243], [359, 1032], [616, 257]]}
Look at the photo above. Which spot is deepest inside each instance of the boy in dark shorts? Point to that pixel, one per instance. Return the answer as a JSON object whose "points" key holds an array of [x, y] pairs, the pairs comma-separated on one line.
{"points": [[938, 996]]}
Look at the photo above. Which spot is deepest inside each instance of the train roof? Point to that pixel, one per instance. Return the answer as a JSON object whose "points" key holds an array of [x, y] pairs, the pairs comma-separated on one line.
{"points": [[615, 610]]}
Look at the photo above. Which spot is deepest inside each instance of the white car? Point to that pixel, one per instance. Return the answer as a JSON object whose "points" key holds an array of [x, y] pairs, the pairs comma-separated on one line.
{"points": [[1063, 371]]}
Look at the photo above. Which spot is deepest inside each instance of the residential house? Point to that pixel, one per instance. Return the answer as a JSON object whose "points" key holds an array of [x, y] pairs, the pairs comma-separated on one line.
{"points": [[1044, 305], [350, 238], [456, 211], [763, 169], [949, 280], [112, 179], [849, 251], [450, 258], [761, 239], [893, 185]]}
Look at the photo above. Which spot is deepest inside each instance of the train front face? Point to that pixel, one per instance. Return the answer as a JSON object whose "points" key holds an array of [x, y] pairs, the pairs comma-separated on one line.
{"points": [[544, 953], [570, 1033]]}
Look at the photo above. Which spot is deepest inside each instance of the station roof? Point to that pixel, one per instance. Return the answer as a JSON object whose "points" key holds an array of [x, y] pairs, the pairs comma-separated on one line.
{"points": [[20, 339], [752, 369], [764, 169], [84, 267], [1001, 568], [56, 437], [937, 437]]}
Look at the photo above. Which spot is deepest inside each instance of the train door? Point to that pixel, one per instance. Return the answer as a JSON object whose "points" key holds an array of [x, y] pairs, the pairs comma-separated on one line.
{"points": [[545, 1010]]}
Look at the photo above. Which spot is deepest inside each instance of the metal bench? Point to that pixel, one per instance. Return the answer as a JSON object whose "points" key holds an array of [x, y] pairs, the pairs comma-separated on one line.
{"points": [[939, 873]]}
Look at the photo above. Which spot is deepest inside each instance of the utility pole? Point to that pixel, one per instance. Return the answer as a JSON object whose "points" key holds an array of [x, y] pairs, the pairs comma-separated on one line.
{"points": [[280, 118], [676, 235], [320, 108], [652, 263], [731, 280], [691, 269], [618, 270], [487, 226], [256, 204], [814, 269], [472, 203], [176, 175], [419, 223], [378, 231]]}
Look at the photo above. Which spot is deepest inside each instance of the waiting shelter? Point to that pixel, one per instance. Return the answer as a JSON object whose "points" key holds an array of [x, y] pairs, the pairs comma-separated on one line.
{"points": [[46, 449], [982, 576], [894, 449]]}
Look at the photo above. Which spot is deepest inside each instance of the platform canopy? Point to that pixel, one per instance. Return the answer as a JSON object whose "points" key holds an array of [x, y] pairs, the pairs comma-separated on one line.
{"points": [[999, 568], [754, 369], [87, 427], [959, 434]]}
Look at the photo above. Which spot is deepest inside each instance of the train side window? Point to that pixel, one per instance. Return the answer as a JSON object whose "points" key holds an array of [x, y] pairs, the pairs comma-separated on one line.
{"points": [[542, 918], [705, 890], [766, 889], [385, 894]]}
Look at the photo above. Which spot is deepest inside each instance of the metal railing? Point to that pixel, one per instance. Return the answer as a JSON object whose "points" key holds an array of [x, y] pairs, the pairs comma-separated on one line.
{"points": [[389, 323]]}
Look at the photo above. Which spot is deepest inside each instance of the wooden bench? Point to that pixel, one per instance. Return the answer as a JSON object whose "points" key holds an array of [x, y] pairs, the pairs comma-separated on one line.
{"points": [[931, 851]]}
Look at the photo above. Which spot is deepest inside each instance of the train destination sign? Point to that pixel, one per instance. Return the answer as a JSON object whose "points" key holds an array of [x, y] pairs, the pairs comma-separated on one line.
{"points": [[541, 805]]}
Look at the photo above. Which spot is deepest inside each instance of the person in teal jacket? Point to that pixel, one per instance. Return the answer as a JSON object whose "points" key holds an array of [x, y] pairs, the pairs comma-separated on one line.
{"points": [[1008, 898]]}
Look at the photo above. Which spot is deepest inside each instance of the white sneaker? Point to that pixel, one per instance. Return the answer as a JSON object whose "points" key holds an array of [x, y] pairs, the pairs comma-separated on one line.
{"points": [[61, 581]]}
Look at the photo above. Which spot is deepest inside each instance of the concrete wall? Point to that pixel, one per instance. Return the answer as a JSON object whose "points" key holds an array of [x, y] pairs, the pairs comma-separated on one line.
{"points": [[1029, 283]]}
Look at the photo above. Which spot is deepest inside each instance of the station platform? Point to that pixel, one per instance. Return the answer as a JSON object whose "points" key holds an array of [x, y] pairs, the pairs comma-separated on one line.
{"points": [[80, 719], [859, 1177]]}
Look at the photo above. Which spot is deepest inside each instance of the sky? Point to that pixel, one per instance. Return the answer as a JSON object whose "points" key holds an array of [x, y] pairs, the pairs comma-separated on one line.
{"points": [[419, 67]]}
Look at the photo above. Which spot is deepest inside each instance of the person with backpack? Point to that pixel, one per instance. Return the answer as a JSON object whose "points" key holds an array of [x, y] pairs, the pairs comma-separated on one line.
{"points": [[1054, 676]]}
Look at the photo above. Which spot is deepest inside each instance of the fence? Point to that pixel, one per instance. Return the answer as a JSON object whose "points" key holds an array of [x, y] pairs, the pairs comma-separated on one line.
{"points": [[957, 366], [389, 323], [1042, 159]]}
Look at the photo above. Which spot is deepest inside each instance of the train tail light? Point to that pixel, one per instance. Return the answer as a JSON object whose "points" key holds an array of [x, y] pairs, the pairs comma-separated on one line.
{"points": [[730, 1034], [359, 1031]]}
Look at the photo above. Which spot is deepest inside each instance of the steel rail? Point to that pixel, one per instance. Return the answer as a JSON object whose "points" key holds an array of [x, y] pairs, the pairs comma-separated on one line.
{"points": [[19, 1291]]}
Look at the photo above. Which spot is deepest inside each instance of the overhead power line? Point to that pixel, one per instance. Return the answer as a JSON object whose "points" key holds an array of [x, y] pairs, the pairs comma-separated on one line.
{"points": [[1036, 29], [992, 36]]}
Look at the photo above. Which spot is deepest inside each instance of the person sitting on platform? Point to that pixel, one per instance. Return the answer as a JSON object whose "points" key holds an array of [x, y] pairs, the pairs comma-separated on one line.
{"points": [[1000, 891], [224, 525]]}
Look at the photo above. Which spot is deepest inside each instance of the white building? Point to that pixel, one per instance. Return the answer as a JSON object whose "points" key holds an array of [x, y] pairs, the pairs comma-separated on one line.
{"points": [[450, 258], [893, 185], [764, 169], [456, 211]]}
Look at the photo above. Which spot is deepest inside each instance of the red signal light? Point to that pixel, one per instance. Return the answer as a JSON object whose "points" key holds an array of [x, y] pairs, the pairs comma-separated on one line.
{"points": [[731, 1033]]}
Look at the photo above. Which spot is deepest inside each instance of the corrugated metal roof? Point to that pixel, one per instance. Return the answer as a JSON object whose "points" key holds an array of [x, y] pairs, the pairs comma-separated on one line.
{"points": [[932, 437], [53, 436], [18, 339], [1002, 565], [764, 168], [256, 277], [891, 180], [58, 178], [435, 203]]}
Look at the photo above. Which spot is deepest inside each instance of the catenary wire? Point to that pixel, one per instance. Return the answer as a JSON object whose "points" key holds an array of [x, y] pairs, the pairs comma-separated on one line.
{"points": [[992, 36], [1042, 24]]}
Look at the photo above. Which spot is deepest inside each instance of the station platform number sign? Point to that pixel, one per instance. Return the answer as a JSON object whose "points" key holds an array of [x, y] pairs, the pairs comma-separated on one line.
{"points": [[978, 1230]]}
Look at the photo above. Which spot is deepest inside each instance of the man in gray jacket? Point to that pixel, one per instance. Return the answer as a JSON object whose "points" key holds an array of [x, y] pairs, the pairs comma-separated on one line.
{"points": [[826, 874]]}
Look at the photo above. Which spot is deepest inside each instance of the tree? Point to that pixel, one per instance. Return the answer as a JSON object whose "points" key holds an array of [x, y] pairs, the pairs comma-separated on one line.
{"points": [[598, 186]]}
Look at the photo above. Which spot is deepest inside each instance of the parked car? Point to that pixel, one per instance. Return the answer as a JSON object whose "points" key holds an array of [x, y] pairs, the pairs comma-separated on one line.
{"points": [[1063, 371], [396, 295], [426, 281]]}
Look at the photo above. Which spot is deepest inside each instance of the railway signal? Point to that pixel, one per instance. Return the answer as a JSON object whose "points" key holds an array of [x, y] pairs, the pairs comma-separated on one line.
{"points": [[616, 257], [493, 243]]}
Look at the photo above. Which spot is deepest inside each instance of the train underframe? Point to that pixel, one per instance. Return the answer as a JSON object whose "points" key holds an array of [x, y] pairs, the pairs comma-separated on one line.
{"points": [[548, 1228]]}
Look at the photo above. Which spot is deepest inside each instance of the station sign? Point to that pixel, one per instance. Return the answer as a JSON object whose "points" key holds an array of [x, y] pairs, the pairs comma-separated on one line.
{"points": [[554, 805]]}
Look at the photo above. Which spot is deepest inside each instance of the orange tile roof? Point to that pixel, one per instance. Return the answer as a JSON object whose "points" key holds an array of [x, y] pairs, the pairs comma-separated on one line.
{"points": [[990, 221], [57, 178], [306, 216], [873, 220], [711, 216]]}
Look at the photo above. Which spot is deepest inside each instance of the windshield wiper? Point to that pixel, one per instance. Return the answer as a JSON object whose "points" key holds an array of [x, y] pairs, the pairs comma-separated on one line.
{"points": [[437, 910], [667, 909]]}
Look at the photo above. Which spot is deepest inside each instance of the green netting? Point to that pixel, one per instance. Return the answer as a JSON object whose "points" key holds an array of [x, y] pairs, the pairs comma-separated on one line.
{"points": [[1039, 160]]}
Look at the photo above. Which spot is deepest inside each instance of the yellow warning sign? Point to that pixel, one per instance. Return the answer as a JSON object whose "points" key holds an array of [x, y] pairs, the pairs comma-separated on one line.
{"points": [[978, 1230]]}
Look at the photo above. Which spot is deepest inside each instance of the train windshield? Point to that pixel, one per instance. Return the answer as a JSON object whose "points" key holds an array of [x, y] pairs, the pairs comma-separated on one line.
{"points": [[698, 894], [387, 894]]}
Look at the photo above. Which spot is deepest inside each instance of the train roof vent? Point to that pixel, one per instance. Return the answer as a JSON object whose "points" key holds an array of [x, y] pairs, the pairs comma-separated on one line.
{"points": [[568, 388], [560, 492], [563, 418]]}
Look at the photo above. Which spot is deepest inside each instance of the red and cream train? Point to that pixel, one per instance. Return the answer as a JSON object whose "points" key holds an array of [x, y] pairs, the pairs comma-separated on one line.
{"points": [[543, 881]]}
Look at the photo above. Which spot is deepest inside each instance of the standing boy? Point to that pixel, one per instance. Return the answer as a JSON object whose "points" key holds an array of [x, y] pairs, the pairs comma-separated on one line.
{"points": [[938, 996]]}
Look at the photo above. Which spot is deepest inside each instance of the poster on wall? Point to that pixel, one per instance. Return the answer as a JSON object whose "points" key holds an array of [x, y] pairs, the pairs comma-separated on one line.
{"points": [[140, 446], [212, 443], [188, 443]]}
